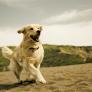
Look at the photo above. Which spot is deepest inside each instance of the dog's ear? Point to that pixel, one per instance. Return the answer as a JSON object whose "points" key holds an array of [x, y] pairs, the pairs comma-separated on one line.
{"points": [[21, 30]]}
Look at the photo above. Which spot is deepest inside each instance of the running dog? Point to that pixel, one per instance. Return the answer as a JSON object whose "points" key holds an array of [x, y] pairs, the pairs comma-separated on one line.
{"points": [[28, 55]]}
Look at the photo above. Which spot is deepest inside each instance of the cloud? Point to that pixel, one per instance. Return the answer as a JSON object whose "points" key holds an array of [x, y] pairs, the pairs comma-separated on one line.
{"points": [[8, 1], [68, 34], [17, 3], [12, 3], [9, 36], [70, 17]]}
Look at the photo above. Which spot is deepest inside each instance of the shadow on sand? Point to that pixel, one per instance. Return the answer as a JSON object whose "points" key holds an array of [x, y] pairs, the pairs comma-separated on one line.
{"points": [[14, 85]]}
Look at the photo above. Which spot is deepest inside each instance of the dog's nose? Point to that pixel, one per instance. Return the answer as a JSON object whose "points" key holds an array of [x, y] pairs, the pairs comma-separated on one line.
{"points": [[38, 31]]}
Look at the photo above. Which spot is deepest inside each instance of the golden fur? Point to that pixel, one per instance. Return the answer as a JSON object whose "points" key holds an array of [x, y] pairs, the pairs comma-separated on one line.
{"points": [[28, 55]]}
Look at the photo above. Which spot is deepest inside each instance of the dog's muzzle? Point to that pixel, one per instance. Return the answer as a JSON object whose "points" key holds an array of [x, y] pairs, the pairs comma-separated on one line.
{"points": [[36, 37]]}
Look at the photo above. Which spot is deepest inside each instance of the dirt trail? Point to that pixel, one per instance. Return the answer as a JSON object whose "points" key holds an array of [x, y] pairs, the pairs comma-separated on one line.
{"points": [[74, 78]]}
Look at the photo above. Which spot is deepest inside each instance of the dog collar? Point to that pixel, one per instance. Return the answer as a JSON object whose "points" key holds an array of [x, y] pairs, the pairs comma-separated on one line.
{"points": [[32, 48]]}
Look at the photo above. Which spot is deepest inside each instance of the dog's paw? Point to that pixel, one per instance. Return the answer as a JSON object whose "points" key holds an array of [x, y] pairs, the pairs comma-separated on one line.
{"points": [[43, 81]]}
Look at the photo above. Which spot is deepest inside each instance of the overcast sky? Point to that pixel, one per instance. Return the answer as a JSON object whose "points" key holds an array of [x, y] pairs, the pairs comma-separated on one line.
{"points": [[66, 22]]}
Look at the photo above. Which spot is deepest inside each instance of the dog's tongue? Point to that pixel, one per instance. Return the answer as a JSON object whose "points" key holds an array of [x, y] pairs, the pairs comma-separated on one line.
{"points": [[35, 38]]}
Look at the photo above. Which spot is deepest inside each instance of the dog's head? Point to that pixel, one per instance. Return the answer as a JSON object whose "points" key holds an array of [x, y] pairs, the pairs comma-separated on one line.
{"points": [[31, 31]]}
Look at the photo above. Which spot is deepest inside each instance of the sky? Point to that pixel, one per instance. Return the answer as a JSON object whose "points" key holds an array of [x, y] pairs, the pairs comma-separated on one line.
{"points": [[65, 22]]}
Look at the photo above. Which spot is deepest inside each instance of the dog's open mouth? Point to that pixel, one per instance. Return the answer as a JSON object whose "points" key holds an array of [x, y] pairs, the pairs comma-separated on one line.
{"points": [[35, 38]]}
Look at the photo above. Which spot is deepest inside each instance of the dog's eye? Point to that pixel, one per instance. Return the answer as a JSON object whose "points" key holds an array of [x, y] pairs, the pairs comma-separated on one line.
{"points": [[31, 28]]}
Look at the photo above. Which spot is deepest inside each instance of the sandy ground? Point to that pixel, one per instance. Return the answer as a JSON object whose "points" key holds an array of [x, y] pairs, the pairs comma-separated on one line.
{"points": [[74, 78]]}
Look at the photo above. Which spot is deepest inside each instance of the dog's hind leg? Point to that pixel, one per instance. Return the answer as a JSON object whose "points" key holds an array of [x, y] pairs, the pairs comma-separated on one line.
{"points": [[37, 74], [17, 73], [16, 68]]}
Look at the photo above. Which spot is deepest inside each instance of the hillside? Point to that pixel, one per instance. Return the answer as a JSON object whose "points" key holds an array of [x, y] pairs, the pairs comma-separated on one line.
{"points": [[66, 55], [73, 78], [61, 55]]}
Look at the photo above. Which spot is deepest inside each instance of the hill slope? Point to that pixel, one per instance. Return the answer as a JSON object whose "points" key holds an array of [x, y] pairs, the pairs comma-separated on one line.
{"points": [[66, 55], [74, 78], [61, 55]]}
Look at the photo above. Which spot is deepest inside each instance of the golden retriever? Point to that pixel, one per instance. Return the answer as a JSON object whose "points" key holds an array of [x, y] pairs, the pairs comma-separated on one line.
{"points": [[28, 55]]}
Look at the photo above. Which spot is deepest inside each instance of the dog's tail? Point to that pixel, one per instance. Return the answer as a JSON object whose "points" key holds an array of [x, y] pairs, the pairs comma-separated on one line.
{"points": [[7, 52]]}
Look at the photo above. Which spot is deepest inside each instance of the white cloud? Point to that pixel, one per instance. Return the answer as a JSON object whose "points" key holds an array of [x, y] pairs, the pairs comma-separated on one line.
{"points": [[69, 34], [62, 17], [70, 16], [9, 36]]}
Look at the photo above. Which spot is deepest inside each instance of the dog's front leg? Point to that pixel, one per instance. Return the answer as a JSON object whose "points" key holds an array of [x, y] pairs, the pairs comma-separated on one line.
{"points": [[29, 76], [37, 66], [35, 72]]}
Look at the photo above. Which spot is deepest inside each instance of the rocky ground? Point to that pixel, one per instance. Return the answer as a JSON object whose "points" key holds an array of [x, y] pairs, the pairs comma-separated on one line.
{"points": [[73, 78]]}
